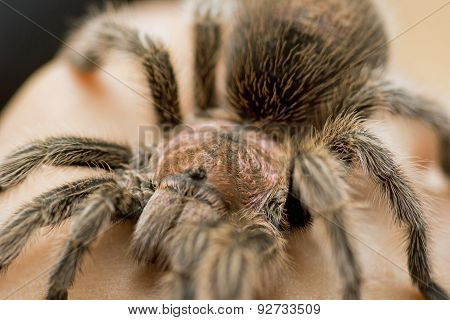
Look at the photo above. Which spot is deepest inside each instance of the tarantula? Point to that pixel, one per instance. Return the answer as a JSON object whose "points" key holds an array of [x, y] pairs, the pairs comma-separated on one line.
{"points": [[215, 200]]}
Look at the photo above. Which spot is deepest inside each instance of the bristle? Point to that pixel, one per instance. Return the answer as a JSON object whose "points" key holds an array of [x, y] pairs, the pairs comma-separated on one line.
{"points": [[283, 58]]}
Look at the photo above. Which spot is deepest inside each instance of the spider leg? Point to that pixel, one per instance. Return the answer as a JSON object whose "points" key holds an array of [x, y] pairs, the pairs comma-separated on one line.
{"points": [[207, 43], [401, 102], [213, 259], [101, 36], [108, 201], [160, 215], [318, 181], [349, 141], [437, 116], [48, 209], [189, 237], [62, 151]]}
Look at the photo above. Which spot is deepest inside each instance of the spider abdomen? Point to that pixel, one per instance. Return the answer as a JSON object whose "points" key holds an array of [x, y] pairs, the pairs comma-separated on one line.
{"points": [[287, 57]]}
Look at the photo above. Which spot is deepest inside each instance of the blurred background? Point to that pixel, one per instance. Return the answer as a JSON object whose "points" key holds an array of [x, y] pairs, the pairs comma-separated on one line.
{"points": [[25, 46]]}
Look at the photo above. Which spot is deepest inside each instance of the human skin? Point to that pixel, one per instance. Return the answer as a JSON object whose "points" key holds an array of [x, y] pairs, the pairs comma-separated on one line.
{"points": [[57, 100]]}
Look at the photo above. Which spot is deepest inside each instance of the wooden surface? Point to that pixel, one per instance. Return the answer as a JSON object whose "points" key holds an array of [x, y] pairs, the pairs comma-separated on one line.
{"points": [[55, 101]]}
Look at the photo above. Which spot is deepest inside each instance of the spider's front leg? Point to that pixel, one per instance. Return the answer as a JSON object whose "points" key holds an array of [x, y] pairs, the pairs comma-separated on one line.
{"points": [[215, 259], [158, 218], [348, 139], [109, 201], [207, 256], [62, 151], [48, 209], [319, 183], [93, 201]]}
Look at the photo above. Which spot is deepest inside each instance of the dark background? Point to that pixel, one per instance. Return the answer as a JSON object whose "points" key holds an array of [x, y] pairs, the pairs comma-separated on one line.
{"points": [[23, 46]]}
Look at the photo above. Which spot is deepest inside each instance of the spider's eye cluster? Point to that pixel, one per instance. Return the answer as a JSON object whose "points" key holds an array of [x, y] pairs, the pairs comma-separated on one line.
{"points": [[197, 174]]}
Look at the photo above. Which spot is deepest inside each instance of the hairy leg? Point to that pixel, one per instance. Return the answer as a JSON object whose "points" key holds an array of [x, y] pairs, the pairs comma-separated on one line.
{"points": [[405, 104], [349, 140], [318, 181], [159, 217], [438, 117], [62, 151], [102, 35], [207, 42], [213, 259], [108, 201], [47, 209]]}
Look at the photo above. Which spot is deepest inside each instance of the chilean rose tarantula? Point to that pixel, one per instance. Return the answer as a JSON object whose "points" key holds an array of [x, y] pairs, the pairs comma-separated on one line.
{"points": [[215, 200]]}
